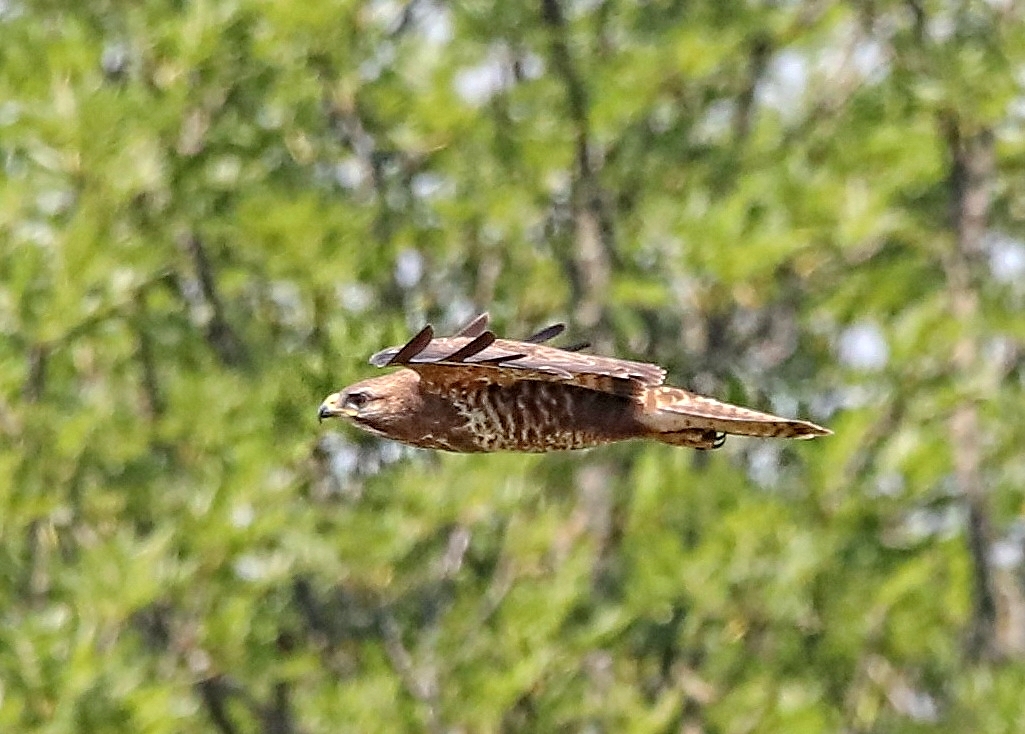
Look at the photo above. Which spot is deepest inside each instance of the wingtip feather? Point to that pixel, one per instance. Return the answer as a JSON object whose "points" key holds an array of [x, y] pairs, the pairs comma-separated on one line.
{"points": [[409, 350], [547, 333], [475, 346], [476, 327]]}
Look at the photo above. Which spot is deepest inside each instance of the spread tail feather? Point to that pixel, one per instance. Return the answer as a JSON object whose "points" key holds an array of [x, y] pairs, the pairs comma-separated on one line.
{"points": [[679, 417]]}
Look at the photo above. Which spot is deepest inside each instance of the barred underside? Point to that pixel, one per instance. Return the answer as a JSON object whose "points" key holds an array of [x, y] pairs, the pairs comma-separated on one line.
{"points": [[539, 416]]}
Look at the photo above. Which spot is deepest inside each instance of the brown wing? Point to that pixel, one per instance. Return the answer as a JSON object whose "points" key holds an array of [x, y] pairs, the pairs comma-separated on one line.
{"points": [[480, 356]]}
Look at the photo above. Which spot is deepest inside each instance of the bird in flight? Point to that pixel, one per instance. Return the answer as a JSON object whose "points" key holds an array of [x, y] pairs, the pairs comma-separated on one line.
{"points": [[473, 392]]}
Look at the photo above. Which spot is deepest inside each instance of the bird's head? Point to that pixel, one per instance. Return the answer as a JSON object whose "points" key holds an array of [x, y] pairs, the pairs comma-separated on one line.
{"points": [[375, 404]]}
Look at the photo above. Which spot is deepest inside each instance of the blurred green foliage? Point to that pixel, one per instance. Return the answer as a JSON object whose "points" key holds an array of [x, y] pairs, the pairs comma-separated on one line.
{"points": [[212, 213]]}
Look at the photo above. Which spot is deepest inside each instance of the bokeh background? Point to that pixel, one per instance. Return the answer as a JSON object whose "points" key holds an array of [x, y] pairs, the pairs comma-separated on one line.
{"points": [[211, 213]]}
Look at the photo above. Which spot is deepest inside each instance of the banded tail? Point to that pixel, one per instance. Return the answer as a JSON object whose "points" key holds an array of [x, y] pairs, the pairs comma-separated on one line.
{"points": [[681, 418]]}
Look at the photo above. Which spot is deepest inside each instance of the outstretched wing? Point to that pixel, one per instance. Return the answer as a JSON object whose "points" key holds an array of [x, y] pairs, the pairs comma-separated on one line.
{"points": [[476, 354]]}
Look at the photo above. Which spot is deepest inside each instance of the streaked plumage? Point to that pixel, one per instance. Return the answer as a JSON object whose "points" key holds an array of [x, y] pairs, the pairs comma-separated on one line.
{"points": [[474, 392]]}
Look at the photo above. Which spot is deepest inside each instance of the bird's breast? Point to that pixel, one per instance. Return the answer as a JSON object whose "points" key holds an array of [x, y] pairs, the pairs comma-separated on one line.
{"points": [[540, 416]]}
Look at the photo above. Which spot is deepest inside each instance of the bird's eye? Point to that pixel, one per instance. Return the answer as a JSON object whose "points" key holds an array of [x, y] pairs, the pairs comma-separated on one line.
{"points": [[357, 400]]}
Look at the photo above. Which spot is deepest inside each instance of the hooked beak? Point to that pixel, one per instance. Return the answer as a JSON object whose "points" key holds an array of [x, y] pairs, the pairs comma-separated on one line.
{"points": [[332, 407]]}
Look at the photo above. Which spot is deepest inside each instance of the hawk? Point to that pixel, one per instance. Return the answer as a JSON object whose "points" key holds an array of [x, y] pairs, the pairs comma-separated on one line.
{"points": [[473, 392]]}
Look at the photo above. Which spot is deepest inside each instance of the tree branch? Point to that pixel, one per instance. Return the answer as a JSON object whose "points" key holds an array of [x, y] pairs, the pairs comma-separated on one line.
{"points": [[219, 333], [153, 401], [421, 684], [36, 379], [215, 693], [594, 229], [971, 173]]}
